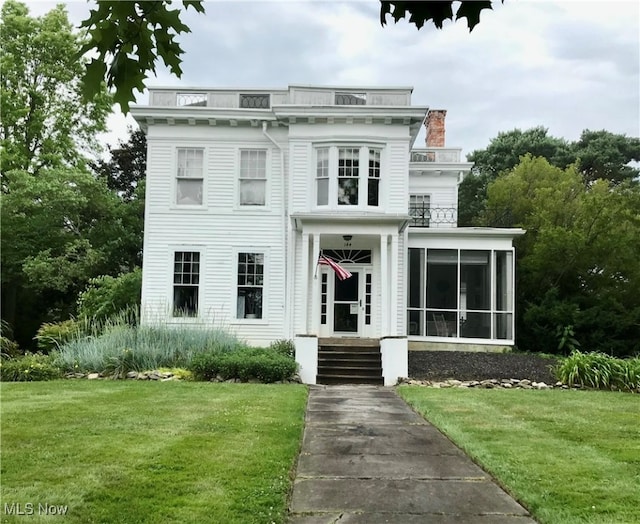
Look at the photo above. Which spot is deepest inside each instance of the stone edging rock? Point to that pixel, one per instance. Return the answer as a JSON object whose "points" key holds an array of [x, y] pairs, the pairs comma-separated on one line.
{"points": [[162, 376], [505, 383]]}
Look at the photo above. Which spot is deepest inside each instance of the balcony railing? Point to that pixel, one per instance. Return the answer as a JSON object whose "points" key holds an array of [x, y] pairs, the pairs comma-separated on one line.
{"points": [[425, 216], [436, 154]]}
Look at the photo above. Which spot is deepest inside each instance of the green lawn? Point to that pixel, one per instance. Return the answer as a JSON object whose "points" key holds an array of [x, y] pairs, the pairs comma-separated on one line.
{"points": [[116, 451], [568, 456]]}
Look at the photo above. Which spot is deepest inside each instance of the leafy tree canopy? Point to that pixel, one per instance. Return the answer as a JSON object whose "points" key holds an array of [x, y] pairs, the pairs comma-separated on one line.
{"points": [[420, 13], [127, 166], [130, 37], [45, 123], [578, 262], [597, 155]]}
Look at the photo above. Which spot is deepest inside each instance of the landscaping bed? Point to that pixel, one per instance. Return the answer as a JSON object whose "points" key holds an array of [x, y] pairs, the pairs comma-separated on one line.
{"points": [[462, 365]]}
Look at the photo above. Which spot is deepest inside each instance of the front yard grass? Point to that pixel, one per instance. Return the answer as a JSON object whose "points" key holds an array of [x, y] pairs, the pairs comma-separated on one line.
{"points": [[568, 456], [136, 452]]}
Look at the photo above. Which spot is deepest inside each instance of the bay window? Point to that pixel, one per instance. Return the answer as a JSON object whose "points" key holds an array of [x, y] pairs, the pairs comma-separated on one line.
{"points": [[348, 176]]}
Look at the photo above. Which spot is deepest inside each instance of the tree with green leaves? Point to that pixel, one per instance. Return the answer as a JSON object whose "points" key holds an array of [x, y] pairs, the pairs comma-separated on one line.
{"points": [[45, 123], [62, 225], [597, 154], [126, 168], [578, 262], [130, 37]]}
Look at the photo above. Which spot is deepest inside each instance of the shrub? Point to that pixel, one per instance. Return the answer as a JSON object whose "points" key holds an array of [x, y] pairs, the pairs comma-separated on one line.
{"points": [[29, 368], [8, 347], [51, 336], [601, 371], [284, 347], [122, 348], [245, 364], [105, 296]]}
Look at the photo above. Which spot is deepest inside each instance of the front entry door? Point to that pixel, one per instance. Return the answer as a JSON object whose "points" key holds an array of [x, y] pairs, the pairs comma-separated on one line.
{"points": [[347, 304]]}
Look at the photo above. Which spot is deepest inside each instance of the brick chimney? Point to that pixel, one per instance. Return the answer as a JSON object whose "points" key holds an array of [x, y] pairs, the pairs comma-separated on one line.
{"points": [[435, 127]]}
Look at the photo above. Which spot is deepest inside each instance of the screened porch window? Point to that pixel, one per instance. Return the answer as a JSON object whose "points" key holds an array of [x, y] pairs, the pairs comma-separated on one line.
{"points": [[460, 293]]}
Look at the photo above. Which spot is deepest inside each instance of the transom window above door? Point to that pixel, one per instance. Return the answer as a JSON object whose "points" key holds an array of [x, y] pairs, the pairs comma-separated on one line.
{"points": [[348, 176]]}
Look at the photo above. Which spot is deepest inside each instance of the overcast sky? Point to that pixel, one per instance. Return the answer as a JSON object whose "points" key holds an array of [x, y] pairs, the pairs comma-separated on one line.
{"points": [[566, 65]]}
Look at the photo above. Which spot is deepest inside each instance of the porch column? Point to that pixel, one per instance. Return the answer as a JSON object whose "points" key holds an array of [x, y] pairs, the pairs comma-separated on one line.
{"points": [[384, 287], [304, 283], [315, 294], [393, 288]]}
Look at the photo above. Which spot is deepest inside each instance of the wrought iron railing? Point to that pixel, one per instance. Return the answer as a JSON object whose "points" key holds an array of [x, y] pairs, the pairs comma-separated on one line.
{"points": [[425, 216], [191, 99]]}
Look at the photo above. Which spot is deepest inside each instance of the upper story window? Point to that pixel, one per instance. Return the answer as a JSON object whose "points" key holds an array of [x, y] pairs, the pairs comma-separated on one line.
{"points": [[373, 183], [253, 177], [419, 210], [255, 101], [190, 176], [322, 176], [348, 176], [351, 99], [186, 280]]}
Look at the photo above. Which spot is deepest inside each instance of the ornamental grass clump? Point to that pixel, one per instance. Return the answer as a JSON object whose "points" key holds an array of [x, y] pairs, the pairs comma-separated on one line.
{"points": [[121, 348], [600, 371]]}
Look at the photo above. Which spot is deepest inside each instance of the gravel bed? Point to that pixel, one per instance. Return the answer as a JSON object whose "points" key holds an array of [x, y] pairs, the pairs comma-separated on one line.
{"points": [[462, 365]]}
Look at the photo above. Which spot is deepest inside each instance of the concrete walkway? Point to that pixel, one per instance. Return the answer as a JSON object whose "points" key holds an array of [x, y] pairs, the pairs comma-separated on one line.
{"points": [[368, 458]]}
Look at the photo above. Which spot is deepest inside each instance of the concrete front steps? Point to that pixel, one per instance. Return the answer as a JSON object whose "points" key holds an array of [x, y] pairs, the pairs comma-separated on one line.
{"points": [[349, 361]]}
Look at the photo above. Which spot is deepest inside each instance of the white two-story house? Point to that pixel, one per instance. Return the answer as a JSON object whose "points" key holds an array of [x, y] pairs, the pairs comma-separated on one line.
{"points": [[247, 188]]}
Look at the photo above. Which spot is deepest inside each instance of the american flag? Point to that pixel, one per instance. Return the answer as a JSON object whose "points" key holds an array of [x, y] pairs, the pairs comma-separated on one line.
{"points": [[341, 272]]}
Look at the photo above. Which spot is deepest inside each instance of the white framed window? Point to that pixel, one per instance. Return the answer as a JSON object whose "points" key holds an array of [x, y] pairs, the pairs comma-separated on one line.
{"points": [[373, 181], [253, 177], [189, 176], [348, 176], [419, 210], [250, 286], [322, 176], [186, 283]]}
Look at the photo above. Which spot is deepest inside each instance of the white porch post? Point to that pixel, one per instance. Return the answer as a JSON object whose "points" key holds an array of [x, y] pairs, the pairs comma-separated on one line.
{"points": [[384, 287], [393, 288], [315, 294], [304, 282]]}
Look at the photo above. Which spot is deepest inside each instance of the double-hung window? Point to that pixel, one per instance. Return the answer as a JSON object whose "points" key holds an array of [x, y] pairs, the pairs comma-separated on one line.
{"points": [[348, 176], [186, 280], [250, 285], [190, 176], [419, 210], [253, 177], [322, 176], [373, 183]]}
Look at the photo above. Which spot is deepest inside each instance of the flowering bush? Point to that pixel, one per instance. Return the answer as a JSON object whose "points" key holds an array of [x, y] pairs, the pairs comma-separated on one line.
{"points": [[31, 367]]}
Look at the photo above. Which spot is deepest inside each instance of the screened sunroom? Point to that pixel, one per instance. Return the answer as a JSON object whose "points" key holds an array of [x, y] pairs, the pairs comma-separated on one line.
{"points": [[462, 291]]}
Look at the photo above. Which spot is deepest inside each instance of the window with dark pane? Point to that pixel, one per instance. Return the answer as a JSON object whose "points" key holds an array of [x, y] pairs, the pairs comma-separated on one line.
{"points": [[250, 285], [186, 280], [373, 182], [348, 173]]}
